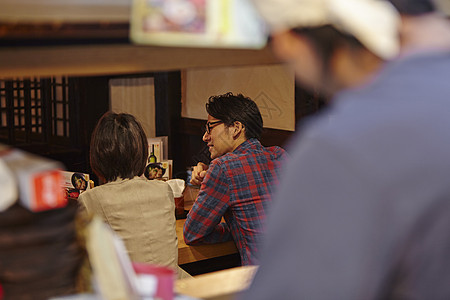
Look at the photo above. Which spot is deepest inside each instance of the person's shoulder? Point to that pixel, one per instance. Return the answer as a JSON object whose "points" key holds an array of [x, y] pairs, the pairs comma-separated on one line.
{"points": [[230, 158], [277, 153], [91, 196], [256, 148], [90, 192], [151, 188], [219, 162], [149, 183], [126, 184], [220, 167], [249, 148], [83, 196], [228, 163], [160, 184], [276, 150]]}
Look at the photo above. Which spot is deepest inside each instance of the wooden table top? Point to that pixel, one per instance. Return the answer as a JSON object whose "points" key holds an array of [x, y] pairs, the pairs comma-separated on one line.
{"points": [[188, 254], [222, 285]]}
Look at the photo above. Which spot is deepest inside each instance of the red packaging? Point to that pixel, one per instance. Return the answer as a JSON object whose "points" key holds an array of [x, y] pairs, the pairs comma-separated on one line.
{"points": [[48, 193], [39, 180]]}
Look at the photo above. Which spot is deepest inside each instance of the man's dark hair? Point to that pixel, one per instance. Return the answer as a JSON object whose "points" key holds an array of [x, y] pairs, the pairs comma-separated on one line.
{"points": [[230, 108], [326, 40], [414, 7], [119, 147]]}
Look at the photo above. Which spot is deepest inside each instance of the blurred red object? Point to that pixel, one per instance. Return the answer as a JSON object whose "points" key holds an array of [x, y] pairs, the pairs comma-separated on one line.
{"points": [[72, 193]]}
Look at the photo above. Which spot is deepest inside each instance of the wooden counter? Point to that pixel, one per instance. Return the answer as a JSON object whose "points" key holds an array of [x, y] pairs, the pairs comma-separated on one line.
{"points": [[217, 285], [188, 254]]}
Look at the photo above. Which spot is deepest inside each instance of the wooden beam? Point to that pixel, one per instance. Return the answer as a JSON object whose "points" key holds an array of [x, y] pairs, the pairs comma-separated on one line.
{"points": [[71, 11]]}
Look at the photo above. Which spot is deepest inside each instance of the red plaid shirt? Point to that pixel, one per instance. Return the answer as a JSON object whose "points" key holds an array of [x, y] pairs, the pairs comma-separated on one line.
{"points": [[238, 187]]}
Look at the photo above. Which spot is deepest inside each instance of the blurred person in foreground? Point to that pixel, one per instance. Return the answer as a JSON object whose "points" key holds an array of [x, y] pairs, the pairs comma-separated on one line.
{"points": [[363, 209], [238, 183], [139, 210]]}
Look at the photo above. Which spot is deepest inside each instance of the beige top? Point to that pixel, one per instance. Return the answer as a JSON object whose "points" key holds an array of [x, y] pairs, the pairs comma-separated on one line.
{"points": [[142, 213]]}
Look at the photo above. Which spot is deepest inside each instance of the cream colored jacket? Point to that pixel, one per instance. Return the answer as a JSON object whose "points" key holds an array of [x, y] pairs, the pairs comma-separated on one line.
{"points": [[142, 213]]}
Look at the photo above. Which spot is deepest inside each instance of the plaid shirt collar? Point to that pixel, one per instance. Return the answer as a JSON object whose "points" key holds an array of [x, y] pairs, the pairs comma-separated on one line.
{"points": [[245, 146]]}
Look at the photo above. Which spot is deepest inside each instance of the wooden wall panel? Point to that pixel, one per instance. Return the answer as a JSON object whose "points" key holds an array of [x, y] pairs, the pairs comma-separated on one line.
{"points": [[135, 96], [272, 87]]}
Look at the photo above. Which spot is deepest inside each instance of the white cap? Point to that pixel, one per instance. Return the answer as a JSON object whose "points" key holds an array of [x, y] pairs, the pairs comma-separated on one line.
{"points": [[373, 22], [443, 6]]}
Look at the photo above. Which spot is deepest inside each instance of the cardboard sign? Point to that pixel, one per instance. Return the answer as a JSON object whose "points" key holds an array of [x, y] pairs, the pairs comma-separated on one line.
{"points": [[197, 23]]}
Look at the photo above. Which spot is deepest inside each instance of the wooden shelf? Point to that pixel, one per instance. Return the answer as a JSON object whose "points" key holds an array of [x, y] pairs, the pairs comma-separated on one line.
{"points": [[86, 60]]}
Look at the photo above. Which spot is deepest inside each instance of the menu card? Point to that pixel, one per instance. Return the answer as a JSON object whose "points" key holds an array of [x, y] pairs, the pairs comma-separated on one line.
{"points": [[75, 183]]}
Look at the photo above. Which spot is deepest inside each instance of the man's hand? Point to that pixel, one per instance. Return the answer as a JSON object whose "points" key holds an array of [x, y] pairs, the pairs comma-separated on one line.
{"points": [[198, 173]]}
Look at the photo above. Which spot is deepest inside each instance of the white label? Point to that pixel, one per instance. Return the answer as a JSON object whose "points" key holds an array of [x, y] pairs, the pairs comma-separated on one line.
{"points": [[8, 187]]}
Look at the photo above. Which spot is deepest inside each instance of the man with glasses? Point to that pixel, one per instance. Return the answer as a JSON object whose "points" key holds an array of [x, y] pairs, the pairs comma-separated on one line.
{"points": [[238, 183]]}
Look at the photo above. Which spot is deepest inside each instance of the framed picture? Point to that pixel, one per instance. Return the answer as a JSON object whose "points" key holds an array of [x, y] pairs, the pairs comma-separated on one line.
{"points": [[75, 183]]}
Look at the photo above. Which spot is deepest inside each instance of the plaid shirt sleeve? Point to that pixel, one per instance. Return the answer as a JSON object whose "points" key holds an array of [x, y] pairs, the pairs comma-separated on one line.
{"points": [[203, 223]]}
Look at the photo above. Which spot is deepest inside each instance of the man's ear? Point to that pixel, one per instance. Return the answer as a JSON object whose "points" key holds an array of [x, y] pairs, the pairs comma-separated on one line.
{"points": [[237, 129]]}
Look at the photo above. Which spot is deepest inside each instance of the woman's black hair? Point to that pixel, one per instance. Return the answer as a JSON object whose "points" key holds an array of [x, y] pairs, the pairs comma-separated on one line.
{"points": [[119, 147]]}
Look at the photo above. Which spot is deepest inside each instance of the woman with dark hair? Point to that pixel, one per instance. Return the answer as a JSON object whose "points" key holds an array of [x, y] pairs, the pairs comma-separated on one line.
{"points": [[140, 211]]}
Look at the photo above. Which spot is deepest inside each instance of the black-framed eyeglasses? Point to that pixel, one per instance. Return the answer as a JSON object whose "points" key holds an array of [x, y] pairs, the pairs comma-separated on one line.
{"points": [[208, 126]]}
